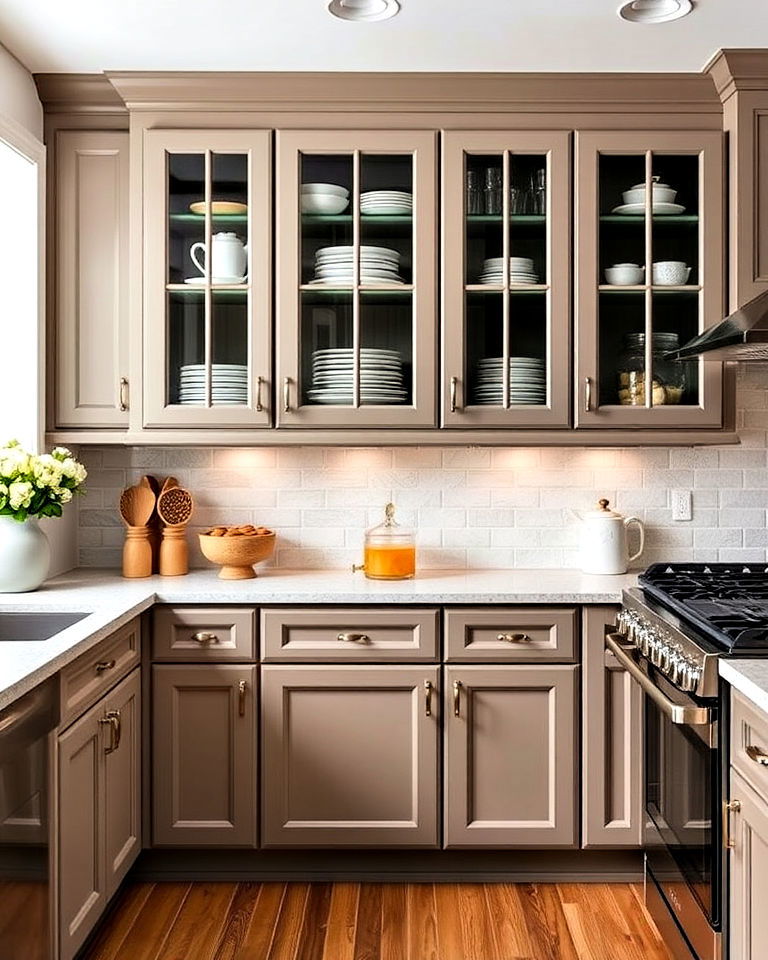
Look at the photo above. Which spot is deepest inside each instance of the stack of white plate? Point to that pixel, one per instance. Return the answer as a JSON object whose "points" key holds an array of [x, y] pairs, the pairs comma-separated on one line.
{"points": [[381, 376], [527, 381], [334, 266], [229, 384], [380, 202], [520, 271]]}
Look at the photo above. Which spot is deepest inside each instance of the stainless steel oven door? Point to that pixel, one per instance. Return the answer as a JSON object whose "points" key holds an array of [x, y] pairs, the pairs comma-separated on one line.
{"points": [[682, 803]]}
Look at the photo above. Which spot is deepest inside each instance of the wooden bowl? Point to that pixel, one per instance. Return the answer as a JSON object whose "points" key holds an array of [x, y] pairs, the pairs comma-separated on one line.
{"points": [[237, 555]]}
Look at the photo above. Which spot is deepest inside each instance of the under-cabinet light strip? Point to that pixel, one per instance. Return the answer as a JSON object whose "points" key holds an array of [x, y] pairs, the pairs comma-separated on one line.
{"points": [[648, 362], [505, 230]]}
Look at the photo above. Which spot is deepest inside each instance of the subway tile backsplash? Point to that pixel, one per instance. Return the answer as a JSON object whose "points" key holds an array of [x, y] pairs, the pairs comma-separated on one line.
{"points": [[472, 507]]}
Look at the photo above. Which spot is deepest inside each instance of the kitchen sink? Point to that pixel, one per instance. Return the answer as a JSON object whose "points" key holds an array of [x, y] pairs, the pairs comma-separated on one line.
{"points": [[36, 626]]}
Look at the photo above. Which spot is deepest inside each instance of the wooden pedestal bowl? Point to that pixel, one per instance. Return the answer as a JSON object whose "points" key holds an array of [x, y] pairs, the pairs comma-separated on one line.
{"points": [[237, 555]]}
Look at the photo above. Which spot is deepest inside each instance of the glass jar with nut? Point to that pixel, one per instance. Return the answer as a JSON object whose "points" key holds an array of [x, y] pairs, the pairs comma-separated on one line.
{"points": [[668, 384]]}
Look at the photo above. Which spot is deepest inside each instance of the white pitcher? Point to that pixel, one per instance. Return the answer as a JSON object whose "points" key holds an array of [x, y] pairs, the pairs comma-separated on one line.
{"points": [[604, 540], [229, 260]]}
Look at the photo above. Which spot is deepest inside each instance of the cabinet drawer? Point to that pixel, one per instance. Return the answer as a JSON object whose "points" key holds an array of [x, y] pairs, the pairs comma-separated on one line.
{"points": [[90, 676], [749, 735], [350, 635], [511, 634], [204, 633]]}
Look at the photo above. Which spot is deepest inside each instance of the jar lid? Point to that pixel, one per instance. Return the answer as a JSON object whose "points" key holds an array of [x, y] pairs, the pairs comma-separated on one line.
{"points": [[656, 183], [602, 511], [665, 339], [390, 527]]}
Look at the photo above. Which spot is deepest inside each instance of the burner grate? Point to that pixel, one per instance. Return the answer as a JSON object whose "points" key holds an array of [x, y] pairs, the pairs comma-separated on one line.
{"points": [[729, 602]]}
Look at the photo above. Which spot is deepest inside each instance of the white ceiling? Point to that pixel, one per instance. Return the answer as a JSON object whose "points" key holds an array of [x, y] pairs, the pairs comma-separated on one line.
{"points": [[513, 35]]}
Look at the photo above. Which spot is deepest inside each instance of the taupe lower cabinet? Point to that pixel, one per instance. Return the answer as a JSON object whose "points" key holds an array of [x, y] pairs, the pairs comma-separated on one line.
{"points": [[91, 299], [99, 816], [350, 756], [612, 745], [204, 755], [510, 756]]}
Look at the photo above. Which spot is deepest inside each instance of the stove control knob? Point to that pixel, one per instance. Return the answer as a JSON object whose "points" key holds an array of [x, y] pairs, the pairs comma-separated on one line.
{"points": [[622, 622], [677, 667]]}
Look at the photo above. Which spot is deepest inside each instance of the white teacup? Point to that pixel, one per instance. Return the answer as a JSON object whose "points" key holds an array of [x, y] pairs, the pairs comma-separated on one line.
{"points": [[670, 273], [624, 274], [229, 260]]}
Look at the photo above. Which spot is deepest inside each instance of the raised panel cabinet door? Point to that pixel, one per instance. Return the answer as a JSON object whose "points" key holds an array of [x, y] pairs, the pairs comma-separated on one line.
{"points": [[204, 755], [510, 756], [506, 250], [82, 887], [91, 262], [122, 793], [612, 745], [356, 296], [207, 278], [649, 229], [349, 756], [749, 872]]}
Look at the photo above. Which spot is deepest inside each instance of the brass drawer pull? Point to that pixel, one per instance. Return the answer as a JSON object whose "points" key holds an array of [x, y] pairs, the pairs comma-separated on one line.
{"points": [[241, 688], [123, 406], [514, 638], [457, 698], [587, 394], [428, 697], [454, 386], [353, 638], [287, 395], [728, 808], [202, 637], [112, 719], [259, 404], [758, 755], [103, 665]]}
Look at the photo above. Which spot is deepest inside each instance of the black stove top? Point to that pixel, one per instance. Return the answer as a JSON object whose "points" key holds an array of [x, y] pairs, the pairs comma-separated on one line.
{"points": [[728, 602]]}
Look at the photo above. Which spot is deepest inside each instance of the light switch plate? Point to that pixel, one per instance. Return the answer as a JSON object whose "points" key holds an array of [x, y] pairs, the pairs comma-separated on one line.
{"points": [[682, 505]]}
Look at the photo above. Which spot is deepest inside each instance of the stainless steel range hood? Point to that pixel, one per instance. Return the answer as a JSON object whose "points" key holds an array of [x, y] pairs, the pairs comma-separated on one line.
{"points": [[741, 336]]}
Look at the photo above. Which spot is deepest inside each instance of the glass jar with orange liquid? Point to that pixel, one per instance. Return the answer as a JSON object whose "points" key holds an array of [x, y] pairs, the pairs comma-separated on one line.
{"points": [[389, 550]]}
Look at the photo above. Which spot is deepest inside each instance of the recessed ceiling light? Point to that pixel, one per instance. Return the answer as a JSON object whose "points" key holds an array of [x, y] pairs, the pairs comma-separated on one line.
{"points": [[364, 10], [655, 11]]}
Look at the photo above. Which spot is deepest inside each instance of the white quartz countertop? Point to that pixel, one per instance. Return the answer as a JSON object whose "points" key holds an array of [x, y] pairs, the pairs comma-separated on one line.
{"points": [[750, 677], [110, 601]]}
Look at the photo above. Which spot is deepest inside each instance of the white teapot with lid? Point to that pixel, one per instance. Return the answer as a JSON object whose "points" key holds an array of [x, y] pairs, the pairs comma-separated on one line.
{"points": [[604, 547]]}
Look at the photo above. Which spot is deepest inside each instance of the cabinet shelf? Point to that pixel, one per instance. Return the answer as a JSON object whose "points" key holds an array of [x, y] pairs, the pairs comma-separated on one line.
{"points": [[215, 288], [199, 219], [532, 218], [513, 288], [690, 218], [640, 288], [407, 288], [347, 218]]}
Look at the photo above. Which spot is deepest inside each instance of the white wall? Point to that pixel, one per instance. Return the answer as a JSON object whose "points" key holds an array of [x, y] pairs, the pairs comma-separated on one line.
{"points": [[18, 95]]}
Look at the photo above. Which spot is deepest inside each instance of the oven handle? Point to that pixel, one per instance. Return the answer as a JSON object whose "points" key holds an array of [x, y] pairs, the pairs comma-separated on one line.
{"points": [[675, 712]]}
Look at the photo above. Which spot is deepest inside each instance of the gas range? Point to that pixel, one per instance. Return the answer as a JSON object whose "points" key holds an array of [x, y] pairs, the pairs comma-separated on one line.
{"points": [[683, 617]]}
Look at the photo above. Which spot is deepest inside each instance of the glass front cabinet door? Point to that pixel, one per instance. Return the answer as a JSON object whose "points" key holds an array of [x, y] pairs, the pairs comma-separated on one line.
{"points": [[356, 297], [207, 278], [506, 279], [649, 246]]}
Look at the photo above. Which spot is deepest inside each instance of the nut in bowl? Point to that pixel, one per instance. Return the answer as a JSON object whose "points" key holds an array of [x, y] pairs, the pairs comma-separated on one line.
{"points": [[237, 549]]}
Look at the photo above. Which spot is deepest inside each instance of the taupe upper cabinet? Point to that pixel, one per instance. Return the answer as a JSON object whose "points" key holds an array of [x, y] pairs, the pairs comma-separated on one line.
{"points": [[207, 278], [649, 244], [91, 265], [506, 279], [356, 277]]}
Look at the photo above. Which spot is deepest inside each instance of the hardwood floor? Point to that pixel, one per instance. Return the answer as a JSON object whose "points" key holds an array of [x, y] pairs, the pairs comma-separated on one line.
{"points": [[368, 921]]}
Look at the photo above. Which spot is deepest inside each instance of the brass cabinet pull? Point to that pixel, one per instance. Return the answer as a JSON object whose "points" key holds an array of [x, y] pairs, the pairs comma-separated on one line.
{"points": [[112, 719], [123, 394], [203, 637], [587, 394], [241, 688], [353, 638], [514, 638], [734, 806], [758, 755], [259, 404], [428, 698], [287, 395], [457, 698], [454, 390], [103, 665]]}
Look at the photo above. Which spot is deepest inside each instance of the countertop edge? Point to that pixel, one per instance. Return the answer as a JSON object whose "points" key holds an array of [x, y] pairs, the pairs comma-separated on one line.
{"points": [[754, 686]]}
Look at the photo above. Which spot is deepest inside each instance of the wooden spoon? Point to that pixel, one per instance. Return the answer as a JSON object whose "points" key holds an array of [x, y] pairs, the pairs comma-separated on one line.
{"points": [[174, 507], [155, 526], [137, 504]]}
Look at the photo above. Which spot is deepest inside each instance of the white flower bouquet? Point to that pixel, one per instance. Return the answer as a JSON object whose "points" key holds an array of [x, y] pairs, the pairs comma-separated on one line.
{"points": [[37, 485]]}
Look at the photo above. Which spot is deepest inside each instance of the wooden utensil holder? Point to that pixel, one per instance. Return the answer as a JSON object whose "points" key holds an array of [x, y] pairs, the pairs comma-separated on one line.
{"points": [[137, 553], [174, 551]]}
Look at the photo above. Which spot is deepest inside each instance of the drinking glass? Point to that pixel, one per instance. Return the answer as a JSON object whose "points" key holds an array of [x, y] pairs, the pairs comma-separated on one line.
{"points": [[494, 200], [474, 193]]}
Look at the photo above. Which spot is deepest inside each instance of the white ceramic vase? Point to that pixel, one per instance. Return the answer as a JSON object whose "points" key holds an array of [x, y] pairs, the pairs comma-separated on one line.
{"points": [[25, 555]]}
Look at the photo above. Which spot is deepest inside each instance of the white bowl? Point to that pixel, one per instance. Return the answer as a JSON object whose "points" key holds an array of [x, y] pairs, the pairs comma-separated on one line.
{"points": [[670, 273], [624, 274], [661, 194], [333, 188], [326, 203]]}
